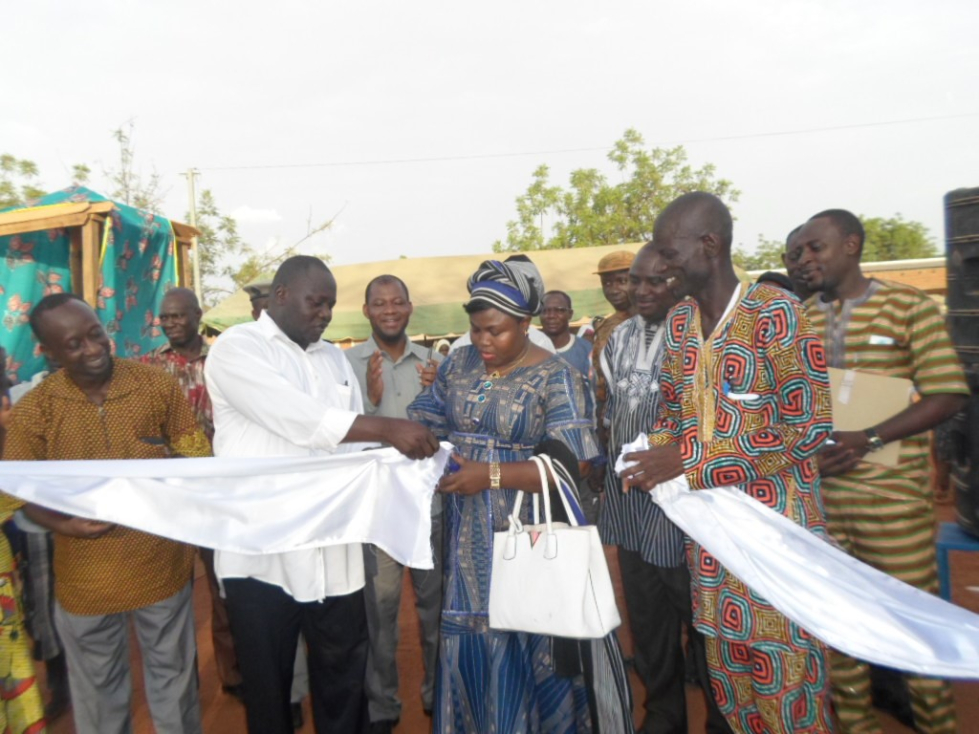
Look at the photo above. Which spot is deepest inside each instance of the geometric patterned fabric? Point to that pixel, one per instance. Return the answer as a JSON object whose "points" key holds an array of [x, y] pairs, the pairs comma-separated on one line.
{"points": [[764, 372]]}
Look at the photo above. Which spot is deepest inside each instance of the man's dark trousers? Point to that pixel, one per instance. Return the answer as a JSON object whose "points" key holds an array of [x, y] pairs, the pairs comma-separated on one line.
{"points": [[266, 622], [658, 602]]}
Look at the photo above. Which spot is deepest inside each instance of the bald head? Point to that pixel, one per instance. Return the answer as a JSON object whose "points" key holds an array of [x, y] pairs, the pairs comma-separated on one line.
{"points": [[692, 236], [296, 268], [180, 319], [184, 297], [696, 214]]}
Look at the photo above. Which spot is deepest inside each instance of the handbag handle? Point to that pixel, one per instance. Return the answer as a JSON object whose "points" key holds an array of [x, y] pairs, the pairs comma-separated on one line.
{"points": [[518, 501], [572, 518], [515, 526]]}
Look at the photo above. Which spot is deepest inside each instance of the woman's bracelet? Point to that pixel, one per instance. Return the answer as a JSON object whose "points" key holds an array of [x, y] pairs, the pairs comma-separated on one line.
{"points": [[494, 474]]}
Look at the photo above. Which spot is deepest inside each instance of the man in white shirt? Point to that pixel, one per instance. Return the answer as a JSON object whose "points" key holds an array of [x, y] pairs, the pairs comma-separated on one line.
{"points": [[278, 390]]}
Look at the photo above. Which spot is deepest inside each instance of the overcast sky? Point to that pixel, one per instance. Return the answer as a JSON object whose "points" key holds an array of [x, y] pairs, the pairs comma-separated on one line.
{"points": [[255, 93]]}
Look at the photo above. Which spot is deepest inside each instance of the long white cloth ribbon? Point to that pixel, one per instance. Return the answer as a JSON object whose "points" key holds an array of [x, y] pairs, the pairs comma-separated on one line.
{"points": [[845, 603], [253, 506]]}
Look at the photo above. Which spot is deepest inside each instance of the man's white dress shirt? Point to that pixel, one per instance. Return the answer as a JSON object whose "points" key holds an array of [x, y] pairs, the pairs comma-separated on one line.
{"points": [[272, 398]]}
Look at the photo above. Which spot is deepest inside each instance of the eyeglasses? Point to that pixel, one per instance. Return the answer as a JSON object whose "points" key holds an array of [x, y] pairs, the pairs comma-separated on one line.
{"points": [[554, 311]]}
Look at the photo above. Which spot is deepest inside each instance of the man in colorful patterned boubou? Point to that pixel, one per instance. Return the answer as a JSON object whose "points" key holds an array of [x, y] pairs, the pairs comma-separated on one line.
{"points": [[745, 403]]}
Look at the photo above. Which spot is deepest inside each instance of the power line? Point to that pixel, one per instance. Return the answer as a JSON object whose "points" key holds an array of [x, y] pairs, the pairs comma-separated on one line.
{"points": [[564, 151]]}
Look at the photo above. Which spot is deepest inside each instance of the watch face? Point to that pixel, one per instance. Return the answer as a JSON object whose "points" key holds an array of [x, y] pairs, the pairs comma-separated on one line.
{"points": [[874, 441]]}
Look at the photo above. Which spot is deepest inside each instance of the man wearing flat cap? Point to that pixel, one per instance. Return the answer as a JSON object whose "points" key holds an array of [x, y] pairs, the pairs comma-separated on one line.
{"points": [[613, 269]]}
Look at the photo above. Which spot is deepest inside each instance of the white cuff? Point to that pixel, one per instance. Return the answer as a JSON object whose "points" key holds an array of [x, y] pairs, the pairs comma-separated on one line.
{"points": [[332, 429]]}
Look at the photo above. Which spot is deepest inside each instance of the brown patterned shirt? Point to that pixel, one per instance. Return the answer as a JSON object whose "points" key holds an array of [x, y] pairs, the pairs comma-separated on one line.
{"points": [[190, 374], [125, 569]]}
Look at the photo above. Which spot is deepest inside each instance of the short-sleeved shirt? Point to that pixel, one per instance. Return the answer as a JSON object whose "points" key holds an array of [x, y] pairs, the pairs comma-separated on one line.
{"points": [[401, 382], [894, 330], [190, 374], [401, 379], [577, 353], [145, 416]]}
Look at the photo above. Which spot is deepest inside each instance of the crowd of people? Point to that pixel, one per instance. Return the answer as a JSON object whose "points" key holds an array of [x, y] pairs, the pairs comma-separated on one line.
{"points": [[728, 380]]}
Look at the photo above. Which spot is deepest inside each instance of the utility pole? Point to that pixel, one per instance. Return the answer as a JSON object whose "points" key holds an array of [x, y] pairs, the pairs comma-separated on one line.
{"points": [[191, 175]]}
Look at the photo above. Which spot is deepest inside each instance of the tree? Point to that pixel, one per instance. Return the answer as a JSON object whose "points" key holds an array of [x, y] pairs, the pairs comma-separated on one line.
{"points": [[593, 211], [767, 255], [886, 239], [128, 185], [226, 258], [18, 181], [218, 241], [257, 263], [224, 255], [531, 207], [80, 174], [896, 239]]}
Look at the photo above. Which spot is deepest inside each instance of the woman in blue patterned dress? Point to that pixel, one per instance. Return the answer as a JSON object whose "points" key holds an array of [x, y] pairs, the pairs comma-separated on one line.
{"points": [[495, 401]]}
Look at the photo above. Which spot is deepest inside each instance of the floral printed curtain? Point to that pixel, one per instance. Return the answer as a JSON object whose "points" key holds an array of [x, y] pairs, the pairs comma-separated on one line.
{"points": [[137, 264]]}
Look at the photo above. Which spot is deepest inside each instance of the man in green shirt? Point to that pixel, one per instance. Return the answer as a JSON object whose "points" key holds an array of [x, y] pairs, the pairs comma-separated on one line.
{"points": [[882, 515]]}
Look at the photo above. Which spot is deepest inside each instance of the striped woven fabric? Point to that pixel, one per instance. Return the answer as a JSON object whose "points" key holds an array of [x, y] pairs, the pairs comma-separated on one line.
{"points": [[514, 286], [885, 516], [898, 331]]}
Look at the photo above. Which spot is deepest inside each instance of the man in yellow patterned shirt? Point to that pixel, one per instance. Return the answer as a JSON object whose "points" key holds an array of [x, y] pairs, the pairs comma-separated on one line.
{"points": [[97, 407]]}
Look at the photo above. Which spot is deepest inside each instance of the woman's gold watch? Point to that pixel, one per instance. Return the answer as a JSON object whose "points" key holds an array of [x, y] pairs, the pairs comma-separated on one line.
{"points": [[494, 471]]}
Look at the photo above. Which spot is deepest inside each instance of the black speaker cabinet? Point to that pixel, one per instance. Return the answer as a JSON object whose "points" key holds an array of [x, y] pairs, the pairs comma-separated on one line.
{"points": [[962, 253]]}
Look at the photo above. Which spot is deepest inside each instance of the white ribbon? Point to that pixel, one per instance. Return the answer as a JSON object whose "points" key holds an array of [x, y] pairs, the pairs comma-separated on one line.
{"points": [[845, 603], [253, 506]]}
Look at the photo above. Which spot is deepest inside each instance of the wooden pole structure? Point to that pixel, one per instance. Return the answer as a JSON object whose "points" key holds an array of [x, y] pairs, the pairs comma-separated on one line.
{"points": [[90, 261]]}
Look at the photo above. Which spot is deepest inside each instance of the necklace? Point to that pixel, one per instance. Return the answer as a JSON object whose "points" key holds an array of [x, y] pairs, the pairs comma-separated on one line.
{"points": [[704, 392], [487, 384], [497, 374]]}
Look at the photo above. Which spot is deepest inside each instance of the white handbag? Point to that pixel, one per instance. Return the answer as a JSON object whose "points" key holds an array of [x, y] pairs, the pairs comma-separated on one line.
{"points": [[551, 579]]}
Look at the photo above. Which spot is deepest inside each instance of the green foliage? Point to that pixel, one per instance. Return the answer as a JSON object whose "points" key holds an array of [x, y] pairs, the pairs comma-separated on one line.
{"points": [[767, 255], [18, 181], [896, 239], [886, 239], [593, 211], [218, 240], [80, 174], [226, 257], [525, 234], [256, 264]]}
